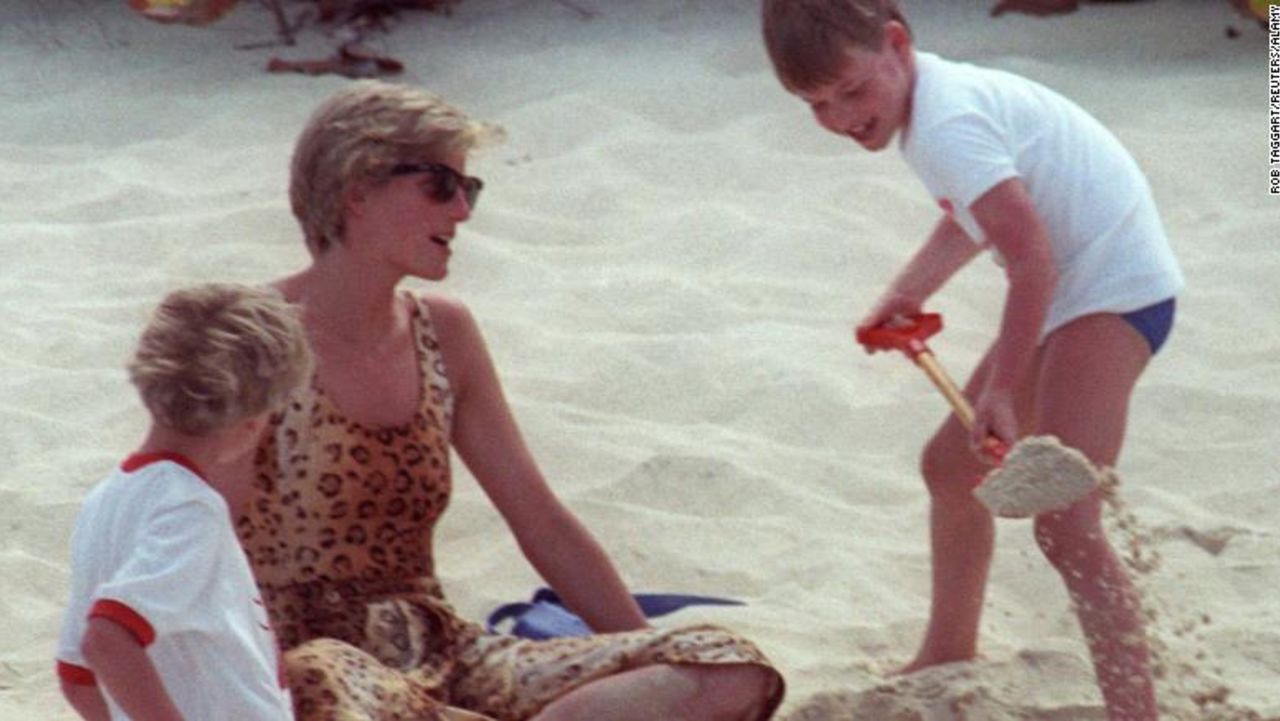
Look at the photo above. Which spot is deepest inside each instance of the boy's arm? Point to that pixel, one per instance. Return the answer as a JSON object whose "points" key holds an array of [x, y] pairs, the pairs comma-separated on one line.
{"points": [[122, 666], [1010, 221], [87, 700], [946, 251]]}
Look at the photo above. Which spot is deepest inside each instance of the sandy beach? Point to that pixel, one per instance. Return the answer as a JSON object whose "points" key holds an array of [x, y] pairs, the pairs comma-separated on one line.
{"points": [[667, 263]]}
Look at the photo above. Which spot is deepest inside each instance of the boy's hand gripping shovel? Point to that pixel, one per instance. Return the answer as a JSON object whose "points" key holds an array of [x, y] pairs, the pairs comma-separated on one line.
{"points": [[909, 338], [1038, 475]]}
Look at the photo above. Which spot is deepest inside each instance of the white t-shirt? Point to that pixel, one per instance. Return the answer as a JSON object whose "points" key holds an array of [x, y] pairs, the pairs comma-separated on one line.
{"points": [[154, 550], [973, 127]]}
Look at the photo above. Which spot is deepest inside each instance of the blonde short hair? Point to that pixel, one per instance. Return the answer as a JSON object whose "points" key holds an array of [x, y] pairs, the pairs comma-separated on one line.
{"points": [[355, 138], [216, 354], [807, 39]]}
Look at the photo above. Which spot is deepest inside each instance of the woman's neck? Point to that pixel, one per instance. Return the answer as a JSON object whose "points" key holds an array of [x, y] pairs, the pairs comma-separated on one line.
{"points": [[345, 303]]}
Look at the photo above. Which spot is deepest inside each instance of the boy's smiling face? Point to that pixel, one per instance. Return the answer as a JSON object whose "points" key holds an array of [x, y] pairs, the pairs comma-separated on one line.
{"points": [[870, 98]]}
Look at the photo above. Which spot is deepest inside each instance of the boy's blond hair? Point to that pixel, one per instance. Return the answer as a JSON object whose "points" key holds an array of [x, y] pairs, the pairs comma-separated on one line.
{"points": [[216, 354], [807, 39], [354, 139]]}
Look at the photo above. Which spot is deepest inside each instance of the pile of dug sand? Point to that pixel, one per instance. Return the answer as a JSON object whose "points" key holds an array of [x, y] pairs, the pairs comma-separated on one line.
{"points": [[1039, 475]]}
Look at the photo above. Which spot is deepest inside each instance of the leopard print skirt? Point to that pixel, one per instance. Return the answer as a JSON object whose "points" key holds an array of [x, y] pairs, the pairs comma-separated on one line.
{"points": [[401, 653]]}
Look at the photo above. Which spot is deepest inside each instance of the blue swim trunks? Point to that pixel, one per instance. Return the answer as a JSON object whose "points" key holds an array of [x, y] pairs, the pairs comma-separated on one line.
{"points": [[1154, 322]]}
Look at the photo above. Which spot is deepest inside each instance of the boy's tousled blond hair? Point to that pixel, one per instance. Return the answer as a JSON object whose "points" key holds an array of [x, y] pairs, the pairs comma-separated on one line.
{"points": [[216, 354], [807, 39], [354, 139]]}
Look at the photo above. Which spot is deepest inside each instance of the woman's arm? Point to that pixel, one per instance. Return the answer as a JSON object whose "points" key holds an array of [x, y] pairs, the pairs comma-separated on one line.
{"points": [[946, 251], [1011, 223], [487, 438], [124, 669]]}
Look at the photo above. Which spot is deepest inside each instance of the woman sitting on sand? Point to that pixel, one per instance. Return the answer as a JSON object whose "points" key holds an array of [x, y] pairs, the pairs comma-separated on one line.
{"points": [[353, 475]]}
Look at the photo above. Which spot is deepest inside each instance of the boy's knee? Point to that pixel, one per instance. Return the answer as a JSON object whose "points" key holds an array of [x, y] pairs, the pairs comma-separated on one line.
{"points": [[932, 464], [946, 465]]}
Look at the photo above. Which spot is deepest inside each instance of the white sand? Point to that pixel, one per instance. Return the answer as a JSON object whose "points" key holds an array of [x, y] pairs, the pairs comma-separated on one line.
{"points": [[667, 262]]}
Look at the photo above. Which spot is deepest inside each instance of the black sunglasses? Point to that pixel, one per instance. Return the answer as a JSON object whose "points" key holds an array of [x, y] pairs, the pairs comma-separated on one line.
{"points": [[445, 181]]}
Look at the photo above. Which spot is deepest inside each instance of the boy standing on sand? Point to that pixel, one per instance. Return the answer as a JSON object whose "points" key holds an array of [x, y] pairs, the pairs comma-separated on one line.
{"points": [[1025, 173], [164, 619]]}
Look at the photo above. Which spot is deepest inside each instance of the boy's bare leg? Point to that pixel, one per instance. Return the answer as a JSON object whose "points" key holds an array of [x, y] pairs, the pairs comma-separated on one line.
{"points": [[961, 539], [672, 693], [1087, 375]]}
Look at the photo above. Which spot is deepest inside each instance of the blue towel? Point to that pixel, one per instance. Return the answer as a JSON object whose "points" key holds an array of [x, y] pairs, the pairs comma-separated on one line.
{"points": [[544, 616]]}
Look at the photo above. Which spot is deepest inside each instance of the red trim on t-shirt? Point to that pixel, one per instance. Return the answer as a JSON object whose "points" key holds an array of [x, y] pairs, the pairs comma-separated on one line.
{"points": [[76, 675], [131, 620], [138, 460], [947, 206]]}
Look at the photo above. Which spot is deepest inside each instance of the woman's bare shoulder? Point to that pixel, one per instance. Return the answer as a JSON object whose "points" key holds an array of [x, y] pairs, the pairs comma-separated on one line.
{"points": [[461, 344], [455, 328], [447, 313]]}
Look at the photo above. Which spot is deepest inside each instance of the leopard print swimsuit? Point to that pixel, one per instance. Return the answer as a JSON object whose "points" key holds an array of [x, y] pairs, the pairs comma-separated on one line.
{"points": [[339, 534]]}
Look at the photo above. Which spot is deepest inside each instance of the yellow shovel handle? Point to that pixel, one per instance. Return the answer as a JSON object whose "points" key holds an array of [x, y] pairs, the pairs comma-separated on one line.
{"points": [[931, 367], [992, 445]]}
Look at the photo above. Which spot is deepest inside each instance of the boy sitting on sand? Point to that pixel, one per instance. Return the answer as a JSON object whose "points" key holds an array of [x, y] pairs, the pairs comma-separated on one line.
{"points": [[164, 619], [1022, 171]]}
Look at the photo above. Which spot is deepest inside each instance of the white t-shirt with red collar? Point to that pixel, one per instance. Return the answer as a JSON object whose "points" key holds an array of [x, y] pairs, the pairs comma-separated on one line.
{"points": [[154, 550], [973, 127]]}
